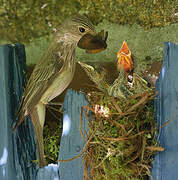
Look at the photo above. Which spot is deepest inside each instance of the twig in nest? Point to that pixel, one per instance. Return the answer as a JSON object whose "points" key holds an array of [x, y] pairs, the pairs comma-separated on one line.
{"points": [[121, 126], [116, 106], [134, 96], [154, 148], [133, 146], [85, 171], [142, 101], [81, 117], [123, 138], [99, 143], [109, 153], [138, 151], [70, 159]]}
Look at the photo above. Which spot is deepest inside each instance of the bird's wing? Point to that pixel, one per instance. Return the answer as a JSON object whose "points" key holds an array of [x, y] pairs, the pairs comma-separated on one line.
{"points": [[43, 74], [39, 81]]}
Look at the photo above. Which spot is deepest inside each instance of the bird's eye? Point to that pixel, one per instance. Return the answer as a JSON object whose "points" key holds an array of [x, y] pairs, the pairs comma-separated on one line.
{"points": [[81, 29]]}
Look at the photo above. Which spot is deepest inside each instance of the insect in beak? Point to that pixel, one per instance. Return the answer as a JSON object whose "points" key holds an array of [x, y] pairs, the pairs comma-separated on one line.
{"points": [[93, 44]]}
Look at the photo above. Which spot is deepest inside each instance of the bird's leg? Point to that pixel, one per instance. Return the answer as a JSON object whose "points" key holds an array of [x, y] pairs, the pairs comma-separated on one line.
{"points": [[51, 104], [55, 103], [38, 119]]}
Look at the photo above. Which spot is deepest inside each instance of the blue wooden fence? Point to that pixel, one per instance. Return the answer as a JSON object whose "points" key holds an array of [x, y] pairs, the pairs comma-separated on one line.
{"points": [[165, 166], [12, 65], [17, 150]]}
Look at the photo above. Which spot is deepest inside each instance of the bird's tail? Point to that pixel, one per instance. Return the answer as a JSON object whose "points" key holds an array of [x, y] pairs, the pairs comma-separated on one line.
{"points": [[20, 116]]}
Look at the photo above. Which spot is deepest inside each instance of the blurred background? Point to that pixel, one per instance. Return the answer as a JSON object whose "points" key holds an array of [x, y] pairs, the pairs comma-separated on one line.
{"points": [[144, 25]]}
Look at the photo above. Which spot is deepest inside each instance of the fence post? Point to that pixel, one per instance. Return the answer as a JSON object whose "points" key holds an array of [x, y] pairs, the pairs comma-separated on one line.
{"points": [[12, 66], [17, 150], [166, 109], [72, 142]]}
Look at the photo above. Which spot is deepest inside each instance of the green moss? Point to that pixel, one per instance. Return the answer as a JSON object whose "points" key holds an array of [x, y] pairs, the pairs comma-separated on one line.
{"points": [[24, 21], [119, 147], [148, 14], [51, 142]]}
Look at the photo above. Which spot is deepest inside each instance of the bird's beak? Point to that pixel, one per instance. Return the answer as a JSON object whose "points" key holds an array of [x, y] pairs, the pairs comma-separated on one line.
{"points": [[93, 44], [124, 58]]}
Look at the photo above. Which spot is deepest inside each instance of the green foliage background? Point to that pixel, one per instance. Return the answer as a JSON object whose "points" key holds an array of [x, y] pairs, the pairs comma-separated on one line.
{"points": [[150, 13], [23, 21], [145, 25]]}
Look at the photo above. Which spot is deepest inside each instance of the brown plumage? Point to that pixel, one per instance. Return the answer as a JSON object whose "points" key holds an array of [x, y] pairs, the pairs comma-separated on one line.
{"points": [[53, 73]]}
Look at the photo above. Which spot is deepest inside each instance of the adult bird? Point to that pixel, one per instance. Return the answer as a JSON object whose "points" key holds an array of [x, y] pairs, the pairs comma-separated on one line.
{"points": [[55, 70]]}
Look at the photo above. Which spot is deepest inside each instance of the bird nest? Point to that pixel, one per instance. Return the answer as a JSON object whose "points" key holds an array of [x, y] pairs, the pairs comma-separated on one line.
{"points": [[121, 141]]}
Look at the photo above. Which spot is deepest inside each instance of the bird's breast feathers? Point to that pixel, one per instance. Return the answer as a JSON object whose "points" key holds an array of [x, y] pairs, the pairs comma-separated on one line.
{"points": [[59, 84]]}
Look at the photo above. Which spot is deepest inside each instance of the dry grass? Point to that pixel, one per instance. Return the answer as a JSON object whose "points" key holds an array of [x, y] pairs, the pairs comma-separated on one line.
{"points": [[121, 141]]}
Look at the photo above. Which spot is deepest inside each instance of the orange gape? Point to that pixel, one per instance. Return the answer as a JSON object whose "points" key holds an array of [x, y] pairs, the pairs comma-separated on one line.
{"points": [[124, 58]]}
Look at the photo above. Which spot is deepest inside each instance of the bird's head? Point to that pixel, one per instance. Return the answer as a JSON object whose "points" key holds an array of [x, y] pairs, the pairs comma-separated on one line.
{"points": [[124, 59], [80, 31]]}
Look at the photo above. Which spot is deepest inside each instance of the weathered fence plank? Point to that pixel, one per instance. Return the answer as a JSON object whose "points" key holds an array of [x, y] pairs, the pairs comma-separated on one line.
{"points": [[17, 150], [166, 109], [71, 142], [12, 65]]}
